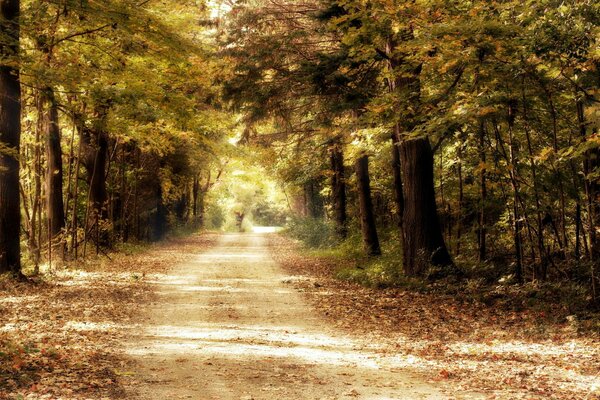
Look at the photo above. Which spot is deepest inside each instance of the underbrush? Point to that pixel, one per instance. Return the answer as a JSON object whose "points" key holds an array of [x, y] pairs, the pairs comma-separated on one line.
{"points": [[554, 301], [314, 233], [351, 264]]}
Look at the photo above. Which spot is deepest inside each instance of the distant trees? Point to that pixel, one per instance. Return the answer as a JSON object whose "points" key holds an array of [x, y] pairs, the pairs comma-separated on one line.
{"points": [[467, 129]]}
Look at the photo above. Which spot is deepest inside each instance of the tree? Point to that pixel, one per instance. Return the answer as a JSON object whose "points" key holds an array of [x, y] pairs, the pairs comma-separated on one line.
{"points": [[367, 215], [10, 135]]}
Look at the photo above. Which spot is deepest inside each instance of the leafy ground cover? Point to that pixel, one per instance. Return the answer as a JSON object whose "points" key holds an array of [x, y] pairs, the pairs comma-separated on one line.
{"points": [[61, 333], [505, 352]]}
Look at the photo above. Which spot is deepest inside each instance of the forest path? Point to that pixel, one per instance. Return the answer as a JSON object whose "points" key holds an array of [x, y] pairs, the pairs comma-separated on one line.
{"points": [[227, 326]]}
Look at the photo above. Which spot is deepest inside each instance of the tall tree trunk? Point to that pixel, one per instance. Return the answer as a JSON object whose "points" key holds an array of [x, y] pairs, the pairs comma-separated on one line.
{"points": [[54, 170], [338, 186], [95, 159], [195, 190], [461, 198], [314, 204], [591, 164], [482, 217], [393, 84], [577, 231], [123, 200], [10, 138], [543, 270], [397, 174], [423, 241], [74, 219], [518, 242], [367, 216]]}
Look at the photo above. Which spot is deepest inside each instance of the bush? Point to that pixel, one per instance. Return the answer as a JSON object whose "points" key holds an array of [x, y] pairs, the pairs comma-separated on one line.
{"points": [[381, 272], [214, 217], [313, 232]]}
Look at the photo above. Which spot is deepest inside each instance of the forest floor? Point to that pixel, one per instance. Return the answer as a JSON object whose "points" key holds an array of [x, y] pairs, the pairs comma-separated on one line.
{"points": [[502, 353], [248, 316], [62, 334]]}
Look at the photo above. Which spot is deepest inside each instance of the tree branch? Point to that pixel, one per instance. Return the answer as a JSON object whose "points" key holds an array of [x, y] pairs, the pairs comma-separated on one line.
{"points": [[82, 33]]}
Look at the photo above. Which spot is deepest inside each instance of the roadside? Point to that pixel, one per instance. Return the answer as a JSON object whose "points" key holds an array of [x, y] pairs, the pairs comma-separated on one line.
{"points": [[62, 336], [506, 354]]}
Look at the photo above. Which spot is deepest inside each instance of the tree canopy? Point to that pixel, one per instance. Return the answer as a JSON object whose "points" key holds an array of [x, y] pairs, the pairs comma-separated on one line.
{"points": [[462, 132]]}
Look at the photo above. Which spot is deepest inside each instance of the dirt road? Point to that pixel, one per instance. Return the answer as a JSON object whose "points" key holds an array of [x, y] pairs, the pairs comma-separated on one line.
{"points": [[227, 326]]}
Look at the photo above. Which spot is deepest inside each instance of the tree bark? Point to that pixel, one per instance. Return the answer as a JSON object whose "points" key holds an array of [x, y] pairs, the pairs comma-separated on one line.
{"points": [[367, 216], [513, 178], [10, 138], [95, 147], [423, 241], [54, 170], [313, 201], [95, 159], [397, 173], [396, 136], [482, 217], [195, 191], [591, 163], [461, 198], [338, 186]]}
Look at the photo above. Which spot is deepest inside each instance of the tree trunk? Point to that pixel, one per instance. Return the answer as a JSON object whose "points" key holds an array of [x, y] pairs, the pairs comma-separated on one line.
{"points": [[54, 172], [543, 270], [482, 220], [10, 137], [338, 186], [513, 178], [461, 198], [577, 231], [195, 190], [397, 173], [423, 241], [396, 136], [367, 216], [201, 209], [160, 218], [95, 159], [591, 164], [313, 202]]}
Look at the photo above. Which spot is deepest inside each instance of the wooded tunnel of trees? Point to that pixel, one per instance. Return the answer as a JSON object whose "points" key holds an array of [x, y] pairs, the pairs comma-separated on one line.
{"points": [[461, 136]]}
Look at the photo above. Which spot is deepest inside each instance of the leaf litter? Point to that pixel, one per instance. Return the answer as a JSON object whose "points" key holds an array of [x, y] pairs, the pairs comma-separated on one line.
{"points": [[61, 334], [469, 345]]}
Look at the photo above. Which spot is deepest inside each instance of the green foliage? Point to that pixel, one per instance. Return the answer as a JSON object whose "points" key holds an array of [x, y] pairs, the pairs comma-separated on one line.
{"points": [[312, 232], [215, 216]]}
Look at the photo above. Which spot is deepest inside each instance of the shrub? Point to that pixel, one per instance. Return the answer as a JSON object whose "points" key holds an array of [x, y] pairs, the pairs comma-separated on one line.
{"points": [[313, 232]]}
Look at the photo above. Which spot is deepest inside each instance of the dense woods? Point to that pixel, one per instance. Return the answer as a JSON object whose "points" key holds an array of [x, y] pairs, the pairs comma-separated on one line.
{"points": [[463, 135], [117, 125], [433, 167], [478, 119]]}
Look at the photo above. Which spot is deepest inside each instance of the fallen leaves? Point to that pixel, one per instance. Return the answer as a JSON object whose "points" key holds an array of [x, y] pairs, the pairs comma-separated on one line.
{"points": [[471, 346], [61, 337]]}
